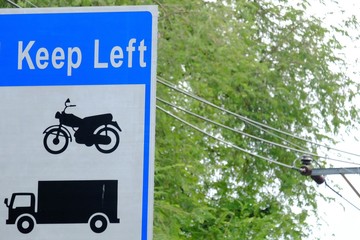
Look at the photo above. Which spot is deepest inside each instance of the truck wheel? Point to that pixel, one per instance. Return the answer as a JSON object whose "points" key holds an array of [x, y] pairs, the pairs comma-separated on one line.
{"points": [[98, 223], [25, 224]]}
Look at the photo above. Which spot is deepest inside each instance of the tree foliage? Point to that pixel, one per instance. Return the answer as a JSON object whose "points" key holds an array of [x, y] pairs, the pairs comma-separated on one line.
{"points": [[266, 60]]}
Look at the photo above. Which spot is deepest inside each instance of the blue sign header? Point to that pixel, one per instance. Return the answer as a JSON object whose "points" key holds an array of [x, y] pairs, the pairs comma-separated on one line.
{"points": [[75, 48]]}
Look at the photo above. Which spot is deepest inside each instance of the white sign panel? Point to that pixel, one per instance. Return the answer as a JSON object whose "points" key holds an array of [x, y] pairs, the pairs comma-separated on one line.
{"points": [[77, 128]]}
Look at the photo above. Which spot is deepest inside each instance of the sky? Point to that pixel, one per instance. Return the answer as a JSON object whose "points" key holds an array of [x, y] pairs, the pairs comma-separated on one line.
{"points": [[340, 220]]}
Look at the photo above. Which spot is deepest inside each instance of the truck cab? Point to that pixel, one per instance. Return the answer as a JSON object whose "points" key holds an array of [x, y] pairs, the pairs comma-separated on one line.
{"points": [[21, 209]]}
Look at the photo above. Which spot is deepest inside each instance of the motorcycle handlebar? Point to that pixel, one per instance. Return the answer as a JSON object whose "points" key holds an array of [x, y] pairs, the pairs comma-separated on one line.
{"points": [[66, 106]]}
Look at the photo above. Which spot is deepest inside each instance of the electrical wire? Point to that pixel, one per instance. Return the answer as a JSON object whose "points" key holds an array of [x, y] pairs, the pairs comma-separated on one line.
{"points": [[336, 192], [252, 136], [267, 159], [245, 119], [27, 1], [170, 85], [227, 143], [249, 121], [18, 6], [253, 154], [352, 186], [13, 4]]}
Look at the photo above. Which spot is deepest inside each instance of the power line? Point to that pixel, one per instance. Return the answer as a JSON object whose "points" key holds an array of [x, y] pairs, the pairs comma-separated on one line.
{"points": [[249, 135], [231, 145], [336, 192], [245, 119], [27, 1], [253, 154], [18, 6], [249, 121], [352, 186], [228, 143], [13, 4]]}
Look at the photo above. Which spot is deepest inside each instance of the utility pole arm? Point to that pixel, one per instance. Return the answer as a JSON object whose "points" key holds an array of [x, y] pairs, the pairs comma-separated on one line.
{"points": [[317, 174], [331, 171]]}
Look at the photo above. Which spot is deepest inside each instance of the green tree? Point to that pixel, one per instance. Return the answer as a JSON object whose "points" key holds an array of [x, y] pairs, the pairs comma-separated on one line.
{"points": [[266, 60]]}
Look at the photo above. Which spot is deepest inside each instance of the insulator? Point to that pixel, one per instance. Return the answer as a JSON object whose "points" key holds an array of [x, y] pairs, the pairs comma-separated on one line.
{"points": [[318, 179], [306, 170], [306, 160]]}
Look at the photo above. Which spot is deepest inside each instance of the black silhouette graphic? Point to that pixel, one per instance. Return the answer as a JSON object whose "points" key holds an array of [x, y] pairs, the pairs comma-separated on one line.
{"points": [[97, 130], [93, 201]]}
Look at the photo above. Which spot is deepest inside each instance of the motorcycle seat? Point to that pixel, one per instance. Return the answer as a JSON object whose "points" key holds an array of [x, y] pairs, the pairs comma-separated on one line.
{"points": [[98, 120]]}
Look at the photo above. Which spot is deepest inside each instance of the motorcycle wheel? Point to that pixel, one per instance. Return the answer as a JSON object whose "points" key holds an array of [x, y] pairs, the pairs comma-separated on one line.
{"points": [[56, 141], [114, 143]]}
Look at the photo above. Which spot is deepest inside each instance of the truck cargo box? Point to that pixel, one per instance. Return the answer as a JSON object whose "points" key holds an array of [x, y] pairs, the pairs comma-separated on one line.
{"points": [[76, 201]]}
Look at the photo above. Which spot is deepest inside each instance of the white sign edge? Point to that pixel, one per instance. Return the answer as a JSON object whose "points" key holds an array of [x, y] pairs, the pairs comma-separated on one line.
{"points": [[153, 9]]}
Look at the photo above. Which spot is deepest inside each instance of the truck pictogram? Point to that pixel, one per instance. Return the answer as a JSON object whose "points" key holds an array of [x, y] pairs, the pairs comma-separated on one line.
{"points": [[66, 202]]}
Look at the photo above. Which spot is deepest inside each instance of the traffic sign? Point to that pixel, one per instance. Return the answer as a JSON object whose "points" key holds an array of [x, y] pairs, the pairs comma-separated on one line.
{"points": [[78, 120]]}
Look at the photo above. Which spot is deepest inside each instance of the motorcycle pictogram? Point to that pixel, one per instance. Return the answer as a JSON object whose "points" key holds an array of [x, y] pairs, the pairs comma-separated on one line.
{"points": [[98, 130]]}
